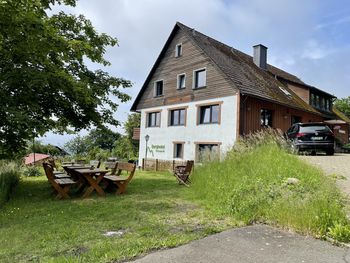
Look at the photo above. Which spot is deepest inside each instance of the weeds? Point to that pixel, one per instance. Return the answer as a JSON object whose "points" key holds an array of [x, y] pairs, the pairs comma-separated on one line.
{"points": [[250, 185], [9, 178]]}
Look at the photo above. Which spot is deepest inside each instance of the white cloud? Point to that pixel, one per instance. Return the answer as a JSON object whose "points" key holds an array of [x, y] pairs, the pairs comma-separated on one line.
{"points": [[313, 50]]}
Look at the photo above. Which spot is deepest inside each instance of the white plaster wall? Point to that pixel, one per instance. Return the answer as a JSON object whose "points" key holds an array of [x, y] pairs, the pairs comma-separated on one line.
{"points": [[225, 132]]}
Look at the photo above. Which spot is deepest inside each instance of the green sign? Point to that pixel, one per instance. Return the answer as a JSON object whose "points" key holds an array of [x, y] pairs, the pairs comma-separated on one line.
{"points": [[159, 148]]}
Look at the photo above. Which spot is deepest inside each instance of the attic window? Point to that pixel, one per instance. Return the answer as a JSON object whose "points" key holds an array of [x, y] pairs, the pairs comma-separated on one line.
{"points": [[158, 88], [285, 91], [178, 50]]}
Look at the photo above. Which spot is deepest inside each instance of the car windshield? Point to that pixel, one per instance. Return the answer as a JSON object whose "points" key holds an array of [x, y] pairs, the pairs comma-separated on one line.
{"points": [[314, 128]]}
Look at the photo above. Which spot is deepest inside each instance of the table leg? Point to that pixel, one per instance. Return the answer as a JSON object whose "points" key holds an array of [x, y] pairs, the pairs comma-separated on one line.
{"points": [[94, 185]]}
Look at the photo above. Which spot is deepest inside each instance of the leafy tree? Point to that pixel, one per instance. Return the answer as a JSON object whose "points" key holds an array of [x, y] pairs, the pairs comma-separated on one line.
{"points": [[39, 147], [103, 138], [343, 105], [78, 146], [45, 83], [133, 121], [123, 149], [126, 147]]}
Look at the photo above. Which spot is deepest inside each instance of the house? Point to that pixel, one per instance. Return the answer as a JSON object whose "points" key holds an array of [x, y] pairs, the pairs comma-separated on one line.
{"points": [[202, 95], [36, 158]]}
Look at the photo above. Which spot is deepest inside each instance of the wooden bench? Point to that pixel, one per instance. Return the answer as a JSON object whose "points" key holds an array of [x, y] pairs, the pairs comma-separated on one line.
{"points": [[61, 186], [57, 174], [121, 181]]}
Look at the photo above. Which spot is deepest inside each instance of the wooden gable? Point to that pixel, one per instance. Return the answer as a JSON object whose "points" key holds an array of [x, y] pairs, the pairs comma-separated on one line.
{"points": [[168, 67]]}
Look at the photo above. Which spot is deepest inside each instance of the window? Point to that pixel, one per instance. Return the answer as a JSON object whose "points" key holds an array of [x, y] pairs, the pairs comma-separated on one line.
{"points": [[158, 88], [317, 103], [179, 150], [208, 152], [177, 117], [266, 118], [181, 81], [312, 99], [200, 78], [178, 50], [209, 114], [296, 119], [153, 119], [323, 103]]}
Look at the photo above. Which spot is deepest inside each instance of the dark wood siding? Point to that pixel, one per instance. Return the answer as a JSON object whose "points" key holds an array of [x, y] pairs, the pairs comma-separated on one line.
{"points": [[250, 115], [302, 92], [170, 66]]}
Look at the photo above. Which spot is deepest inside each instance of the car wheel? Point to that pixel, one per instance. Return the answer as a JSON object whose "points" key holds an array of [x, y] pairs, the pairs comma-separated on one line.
{"points": [[330, 152]]}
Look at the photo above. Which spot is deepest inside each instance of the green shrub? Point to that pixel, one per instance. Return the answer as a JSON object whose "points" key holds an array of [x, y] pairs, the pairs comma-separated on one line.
{"points": [[251, 186], [347, 146], [31, 171], [9, 178]]}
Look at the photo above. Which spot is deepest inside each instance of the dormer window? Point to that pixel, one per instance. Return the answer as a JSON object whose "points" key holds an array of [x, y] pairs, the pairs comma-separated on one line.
{"points": [[178, 50], [286, 92], [158, 88]]}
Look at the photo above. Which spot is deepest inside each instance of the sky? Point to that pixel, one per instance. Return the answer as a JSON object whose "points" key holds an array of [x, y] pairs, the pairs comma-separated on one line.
{"points": [[310, 39]]}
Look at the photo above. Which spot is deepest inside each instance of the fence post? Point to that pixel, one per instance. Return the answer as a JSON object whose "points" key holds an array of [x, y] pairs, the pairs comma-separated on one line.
{"points": [[156, 165], [173, 165], [143, 164]]}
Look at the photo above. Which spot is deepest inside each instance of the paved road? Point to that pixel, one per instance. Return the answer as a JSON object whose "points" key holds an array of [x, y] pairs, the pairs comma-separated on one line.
{"points": [[252, 244], [338, 164]]}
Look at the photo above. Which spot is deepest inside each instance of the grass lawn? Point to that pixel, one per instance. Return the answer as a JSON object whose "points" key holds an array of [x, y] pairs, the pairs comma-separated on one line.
{"points": [[154, 213]]}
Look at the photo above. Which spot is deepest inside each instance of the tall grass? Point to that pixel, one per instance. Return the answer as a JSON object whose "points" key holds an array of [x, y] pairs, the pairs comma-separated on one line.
{"points": [[251, 186], [9, 178]]}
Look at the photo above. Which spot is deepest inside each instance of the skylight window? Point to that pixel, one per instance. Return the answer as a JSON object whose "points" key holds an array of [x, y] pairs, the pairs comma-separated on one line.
{"points": [[285, 91]]}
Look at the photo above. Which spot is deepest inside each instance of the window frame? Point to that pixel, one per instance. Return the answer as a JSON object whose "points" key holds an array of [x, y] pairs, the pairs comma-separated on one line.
{"points": [[177, 109], [178, 81], [177, 53], [199, 107], [261, 115], [155, 88], [293, 117], [175, 144], [194, 79], [197, 145], [148, 119]]}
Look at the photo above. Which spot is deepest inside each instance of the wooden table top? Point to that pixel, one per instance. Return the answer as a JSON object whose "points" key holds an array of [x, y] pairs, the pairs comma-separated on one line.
{"points": [[93, 171], [76, 166]]}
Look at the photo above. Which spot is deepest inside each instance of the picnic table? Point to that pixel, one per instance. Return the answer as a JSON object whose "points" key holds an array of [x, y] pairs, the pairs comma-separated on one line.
{"points": [[92, 178]]}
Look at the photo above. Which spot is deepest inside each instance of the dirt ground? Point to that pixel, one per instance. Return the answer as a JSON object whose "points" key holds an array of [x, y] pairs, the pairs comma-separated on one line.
{"points": [[337, 165]]}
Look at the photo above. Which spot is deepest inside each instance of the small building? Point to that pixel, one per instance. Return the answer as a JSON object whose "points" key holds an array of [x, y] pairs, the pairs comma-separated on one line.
{"points": [[36, 158], [202, 95]]}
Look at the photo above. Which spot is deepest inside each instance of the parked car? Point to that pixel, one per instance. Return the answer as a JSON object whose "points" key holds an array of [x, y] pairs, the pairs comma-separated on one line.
{"points": [[311, 137]]}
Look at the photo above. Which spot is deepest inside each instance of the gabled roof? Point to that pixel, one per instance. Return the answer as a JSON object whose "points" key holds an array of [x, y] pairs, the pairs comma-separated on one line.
{"points": [[29, 159], [240, 69]]}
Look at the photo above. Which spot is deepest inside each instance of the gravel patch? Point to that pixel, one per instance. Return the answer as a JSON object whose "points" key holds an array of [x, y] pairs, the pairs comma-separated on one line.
{"points": [[337, 166]]}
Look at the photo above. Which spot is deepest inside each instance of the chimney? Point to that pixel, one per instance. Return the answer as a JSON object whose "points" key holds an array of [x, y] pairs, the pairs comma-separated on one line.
{"points": [[260, 56]]}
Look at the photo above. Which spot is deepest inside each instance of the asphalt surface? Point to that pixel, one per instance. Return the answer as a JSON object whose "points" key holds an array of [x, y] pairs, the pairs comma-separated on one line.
{"points": [[257, 243]]}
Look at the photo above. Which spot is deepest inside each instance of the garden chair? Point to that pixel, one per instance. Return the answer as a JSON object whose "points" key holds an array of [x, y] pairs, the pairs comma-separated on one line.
{"points": [[183, 172], [61, 186], [121, 181]]}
